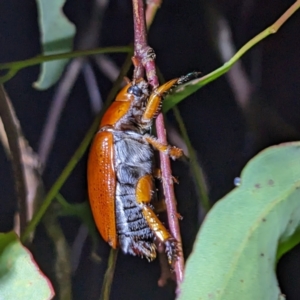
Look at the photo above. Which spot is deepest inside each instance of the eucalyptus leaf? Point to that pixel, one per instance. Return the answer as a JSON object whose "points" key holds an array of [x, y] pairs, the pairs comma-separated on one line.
{"points": [[20, 277], [245, 233], [56, 34]]}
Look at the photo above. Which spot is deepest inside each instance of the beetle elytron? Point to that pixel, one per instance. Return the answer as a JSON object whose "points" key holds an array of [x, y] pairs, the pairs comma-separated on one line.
{"points": [[121, 171]]}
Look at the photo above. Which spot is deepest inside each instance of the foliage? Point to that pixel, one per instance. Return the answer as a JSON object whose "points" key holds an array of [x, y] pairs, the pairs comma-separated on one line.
{"points": [[235, 251], [20, 277], [242, 237]]}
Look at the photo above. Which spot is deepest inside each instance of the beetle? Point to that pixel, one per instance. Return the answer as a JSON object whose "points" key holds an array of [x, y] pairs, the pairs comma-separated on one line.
{"points": [[121, 171]]}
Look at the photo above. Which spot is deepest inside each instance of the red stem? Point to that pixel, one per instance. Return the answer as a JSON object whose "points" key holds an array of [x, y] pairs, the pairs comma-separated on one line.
{"points": [[168, 187], [144, 59]]}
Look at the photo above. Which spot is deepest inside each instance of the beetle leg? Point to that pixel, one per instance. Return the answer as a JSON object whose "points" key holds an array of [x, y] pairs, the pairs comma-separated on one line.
{"points": [[158, 175], [155, 100], [173, 152], [161, 233], [144, 191]]}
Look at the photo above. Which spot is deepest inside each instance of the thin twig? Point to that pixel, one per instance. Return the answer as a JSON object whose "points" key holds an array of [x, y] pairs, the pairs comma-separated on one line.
{"points": [[237, 76], [31, 168], [144, 56], [89, 37], [14, 67], [194, 164], [17, 65], [92, 88], [152, 7], [17, 164], [107, 66], [77, 246], [168, 187], [109, 274], [62, 264], [60, 98], [3, 139]]}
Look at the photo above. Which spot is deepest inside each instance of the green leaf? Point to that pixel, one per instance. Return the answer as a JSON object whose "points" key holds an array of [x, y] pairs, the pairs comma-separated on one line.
{"points": [[236, 251], [57, 34], [20, 277]]}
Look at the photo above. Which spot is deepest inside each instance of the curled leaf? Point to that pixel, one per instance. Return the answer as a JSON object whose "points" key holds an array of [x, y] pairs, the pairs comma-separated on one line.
{"points": [[247, 231]]}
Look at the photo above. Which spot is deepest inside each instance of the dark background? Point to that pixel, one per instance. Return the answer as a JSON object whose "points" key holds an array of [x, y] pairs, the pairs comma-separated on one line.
{"points": [[224, 135]]}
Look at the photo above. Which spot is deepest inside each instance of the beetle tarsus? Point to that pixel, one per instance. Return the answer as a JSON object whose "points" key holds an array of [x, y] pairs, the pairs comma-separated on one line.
{"points": [[172, 151], [143, 249], [175, 152], [171, 250], [150, 55], [188, 77]]}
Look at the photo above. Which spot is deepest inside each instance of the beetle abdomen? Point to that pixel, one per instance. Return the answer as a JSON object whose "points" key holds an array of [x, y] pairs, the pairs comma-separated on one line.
{"points": [[133, 231], [133, 160]]}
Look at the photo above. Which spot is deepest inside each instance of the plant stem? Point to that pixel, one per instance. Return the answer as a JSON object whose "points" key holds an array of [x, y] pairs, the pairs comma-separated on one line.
{"points": [[152, 7], [109, 274], [143, 54], [11, 129], [145, 57], [194, 165], [16, 66]]}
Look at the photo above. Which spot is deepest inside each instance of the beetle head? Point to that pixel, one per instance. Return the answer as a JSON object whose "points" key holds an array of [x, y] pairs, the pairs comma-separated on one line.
{"points": [[140, 92], [135, 91]]}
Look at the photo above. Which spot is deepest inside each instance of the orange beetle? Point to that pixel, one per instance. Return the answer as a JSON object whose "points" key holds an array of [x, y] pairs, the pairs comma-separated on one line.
{"points": [[121, 171]]}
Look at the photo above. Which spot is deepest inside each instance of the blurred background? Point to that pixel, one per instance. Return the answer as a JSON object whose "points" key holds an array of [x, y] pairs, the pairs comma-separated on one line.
{"points": [[228, 121]]}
